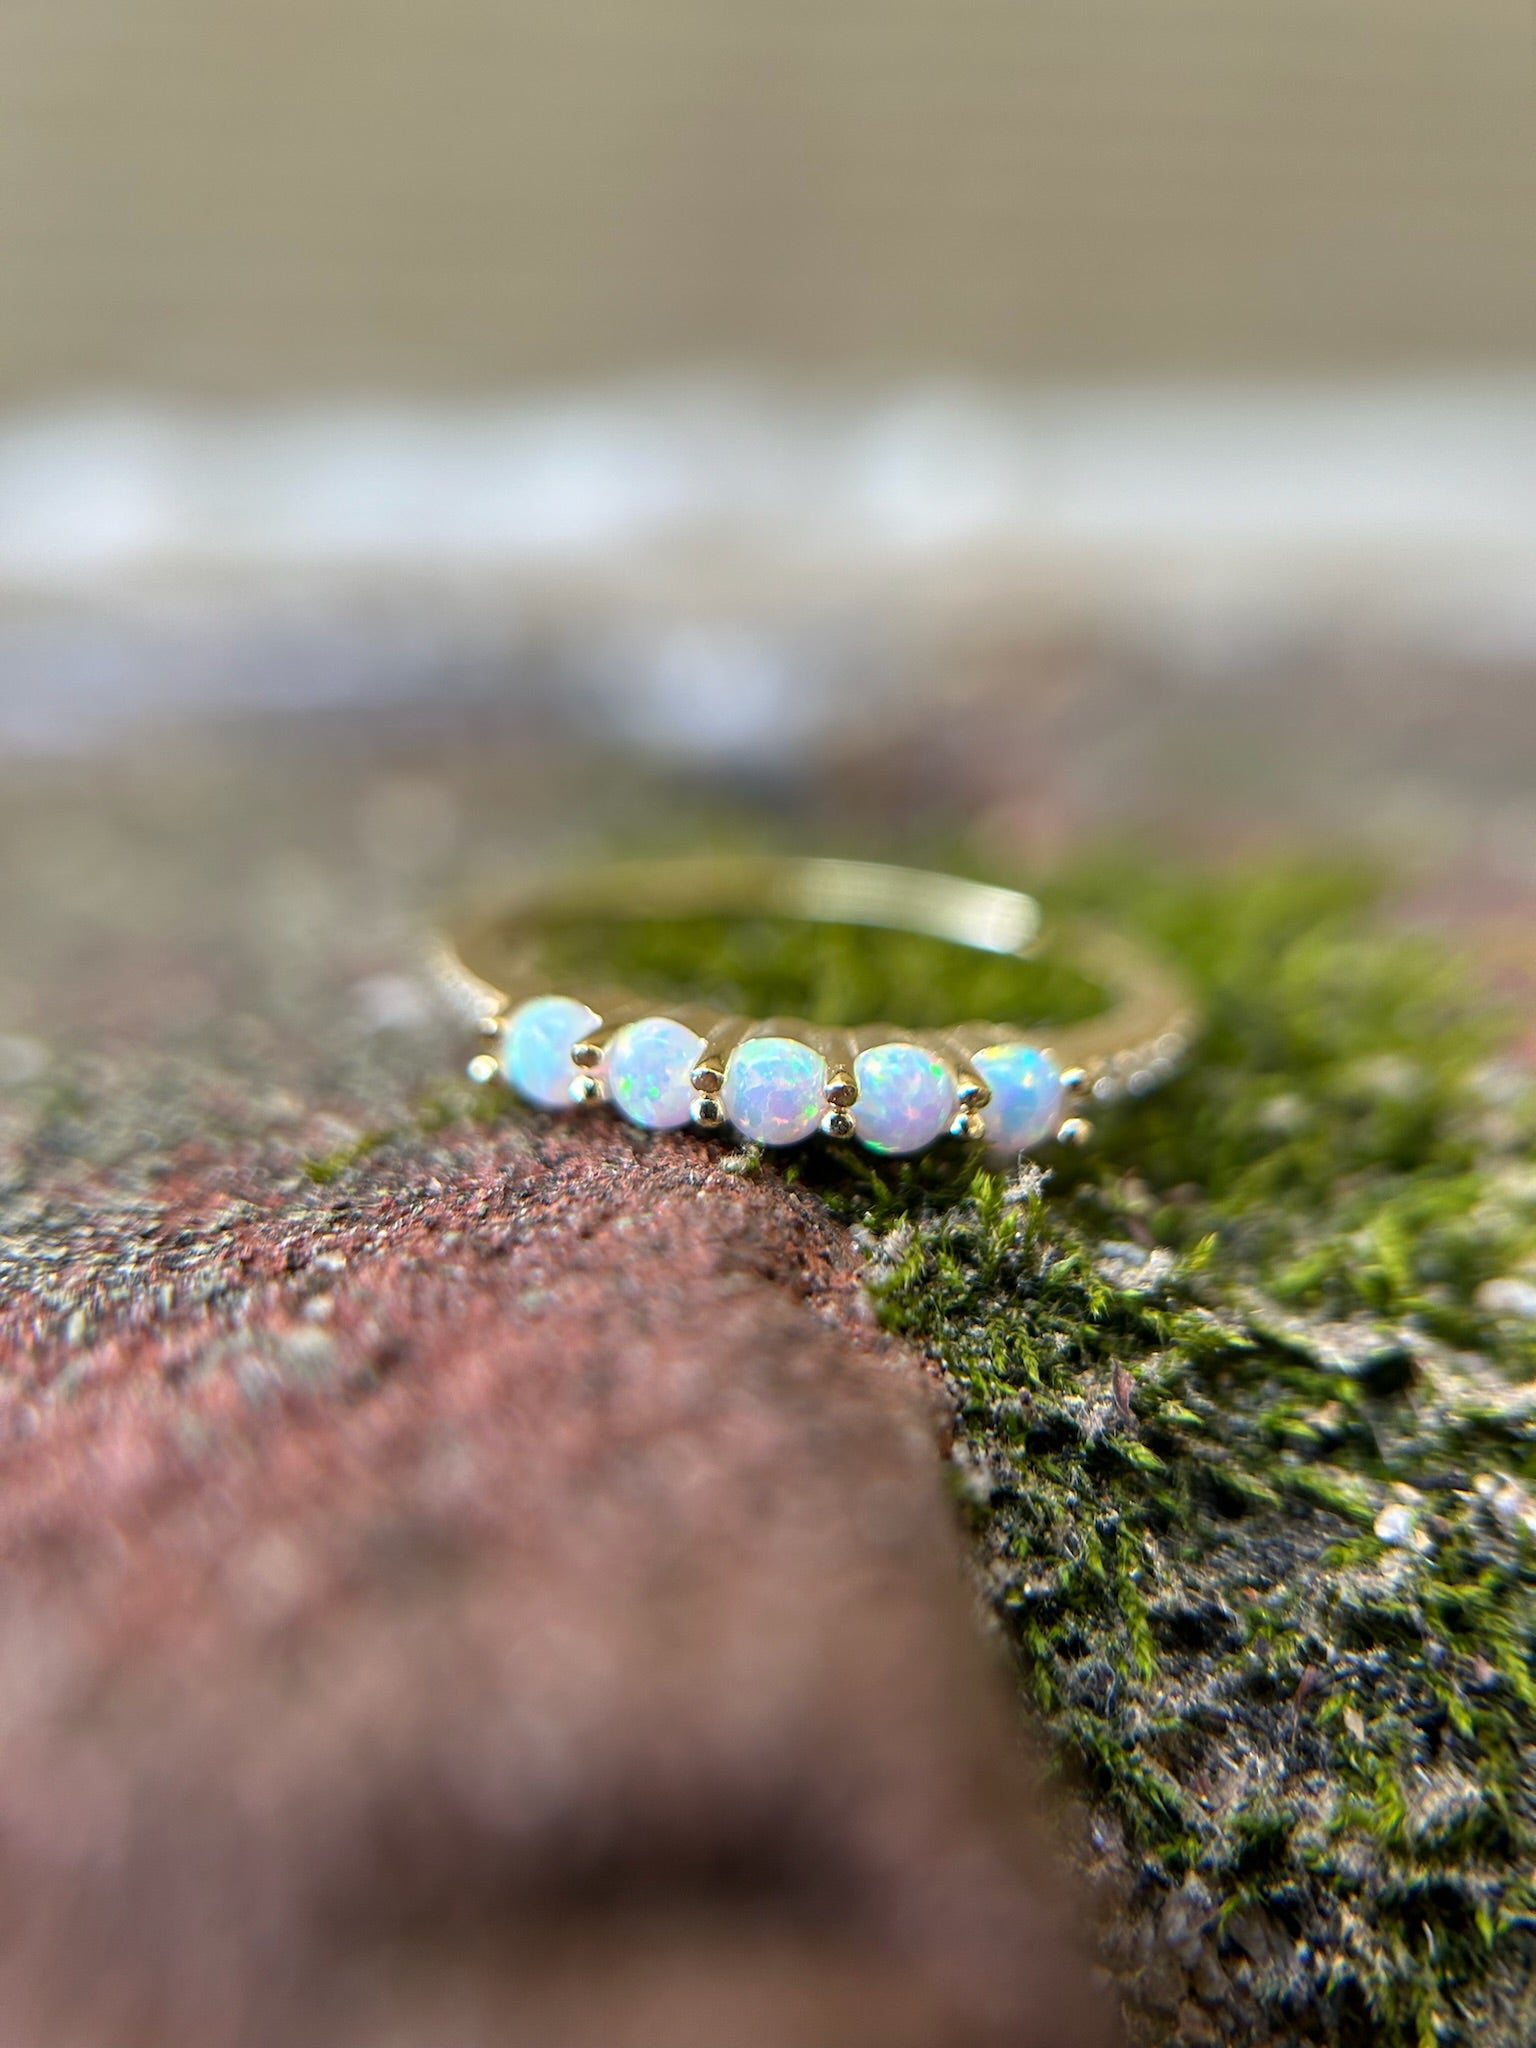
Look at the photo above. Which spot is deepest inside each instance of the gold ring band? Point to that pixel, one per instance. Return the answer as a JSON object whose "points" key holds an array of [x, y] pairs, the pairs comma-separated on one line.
{"points": [[778, 1080]]}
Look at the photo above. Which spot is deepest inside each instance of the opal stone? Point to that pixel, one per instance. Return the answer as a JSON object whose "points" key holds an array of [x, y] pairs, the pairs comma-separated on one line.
{"points": [[907, 1098], [649, 1068], [536, 1048], [774, 1090], [1026, 1096]]}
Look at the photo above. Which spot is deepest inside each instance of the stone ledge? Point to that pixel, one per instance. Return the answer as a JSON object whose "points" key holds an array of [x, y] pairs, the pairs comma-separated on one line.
{"points": [[516, 1603]]}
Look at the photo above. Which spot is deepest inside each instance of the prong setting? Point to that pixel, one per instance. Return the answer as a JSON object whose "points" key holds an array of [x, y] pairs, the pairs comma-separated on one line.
{"points": [[1075, 1131], [837, 1123], [484, 1067], [648, 1071], [536, 1047], [908, 1096], [1026, 1096], [775, 1088]]}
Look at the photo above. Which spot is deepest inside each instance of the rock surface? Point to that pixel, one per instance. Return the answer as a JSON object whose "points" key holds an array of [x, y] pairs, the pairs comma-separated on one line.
{"points": [[463, 1582], [502, 1593]]}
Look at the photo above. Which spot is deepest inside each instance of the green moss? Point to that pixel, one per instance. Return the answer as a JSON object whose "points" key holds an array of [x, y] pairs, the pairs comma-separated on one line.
{"points": [[1243, 1447], [826, 974], [331, 1165], [1197, 1372]]}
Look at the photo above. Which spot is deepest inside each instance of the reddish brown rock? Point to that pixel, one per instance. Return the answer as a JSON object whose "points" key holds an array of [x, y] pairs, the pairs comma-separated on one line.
{"points": [[504, 1596]]}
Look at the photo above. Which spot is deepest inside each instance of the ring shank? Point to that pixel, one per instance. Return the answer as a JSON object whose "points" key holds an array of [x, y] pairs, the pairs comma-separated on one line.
{"points": [[974, 914]]}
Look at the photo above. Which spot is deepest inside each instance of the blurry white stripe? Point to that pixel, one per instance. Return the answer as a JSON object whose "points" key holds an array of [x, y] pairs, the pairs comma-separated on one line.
{"points": [[1404, 471], [751, 569]]}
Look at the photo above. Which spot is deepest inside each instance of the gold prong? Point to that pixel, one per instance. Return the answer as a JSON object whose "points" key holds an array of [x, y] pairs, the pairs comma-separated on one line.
{"points": [[720, 1041], [707, 1112], [587, 1055], [490, 1026], [483, 1067], [1075, 1131], [586, 1088], [973, 1092], [842, 1090], [967, 1125], [1074, 1080], [837, 1123]]}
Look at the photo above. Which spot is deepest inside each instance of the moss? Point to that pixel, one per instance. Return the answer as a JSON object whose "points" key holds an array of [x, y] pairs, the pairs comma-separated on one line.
{"points": [[824, 973], [331, 1165], [1244, 1442], [1248, 1456]]}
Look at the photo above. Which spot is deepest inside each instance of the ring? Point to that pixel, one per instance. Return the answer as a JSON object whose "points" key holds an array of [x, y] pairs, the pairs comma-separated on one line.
{"points": [[780, 1080]]}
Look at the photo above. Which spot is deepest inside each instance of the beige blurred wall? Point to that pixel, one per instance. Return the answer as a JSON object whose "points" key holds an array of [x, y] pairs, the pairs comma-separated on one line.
{"points": [[250, 196]]}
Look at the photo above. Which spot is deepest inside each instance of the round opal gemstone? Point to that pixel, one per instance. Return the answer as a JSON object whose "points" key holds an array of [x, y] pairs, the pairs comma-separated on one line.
{"points": [[1026, 1096], [907, 1098], [774, 1090], [536, 1048], [650, 1065]]}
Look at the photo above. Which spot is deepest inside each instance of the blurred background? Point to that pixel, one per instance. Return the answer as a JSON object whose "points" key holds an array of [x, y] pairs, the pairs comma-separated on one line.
{"points": [[432, 435]]}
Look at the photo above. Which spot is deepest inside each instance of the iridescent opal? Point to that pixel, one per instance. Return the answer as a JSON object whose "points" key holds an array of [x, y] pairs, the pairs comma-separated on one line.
{"points": [[907, 1098], [774, 1090], [536, 1048], [649, 1068], [1026, 1096]]}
